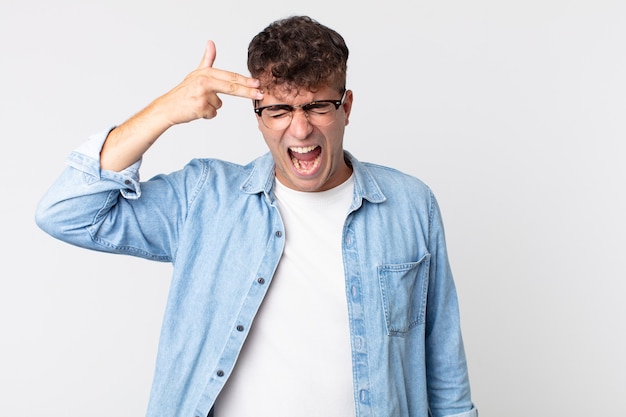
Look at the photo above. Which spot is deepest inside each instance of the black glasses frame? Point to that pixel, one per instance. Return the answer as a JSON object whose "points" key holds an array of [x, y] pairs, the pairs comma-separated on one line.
{"points": [[305, 107]]}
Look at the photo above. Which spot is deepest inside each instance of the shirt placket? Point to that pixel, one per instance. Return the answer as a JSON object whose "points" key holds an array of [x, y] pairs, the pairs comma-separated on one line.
{"points": [[258, 289], [356, 312]]}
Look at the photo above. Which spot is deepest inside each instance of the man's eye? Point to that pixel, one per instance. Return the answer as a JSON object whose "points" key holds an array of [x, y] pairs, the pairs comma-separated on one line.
{"points": [[319, 108], [277, 112]]}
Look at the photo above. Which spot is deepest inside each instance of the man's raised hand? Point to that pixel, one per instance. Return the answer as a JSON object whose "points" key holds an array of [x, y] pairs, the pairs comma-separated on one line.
{"points": [[196, 97]]}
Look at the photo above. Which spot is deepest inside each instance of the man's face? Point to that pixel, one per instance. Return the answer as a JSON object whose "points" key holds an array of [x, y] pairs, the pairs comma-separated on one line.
{"points": [[308, 157]]}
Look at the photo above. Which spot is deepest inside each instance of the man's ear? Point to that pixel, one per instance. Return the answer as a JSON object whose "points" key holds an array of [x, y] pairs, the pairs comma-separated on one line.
{"points": [[347, 105]]}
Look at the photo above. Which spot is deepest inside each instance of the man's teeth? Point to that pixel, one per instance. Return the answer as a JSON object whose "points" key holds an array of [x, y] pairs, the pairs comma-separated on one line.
{"points": [[302, 163], [299, 149], [306, 166]]}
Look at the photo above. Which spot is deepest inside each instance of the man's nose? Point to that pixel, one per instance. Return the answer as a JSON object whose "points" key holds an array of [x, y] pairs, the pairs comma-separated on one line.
{"points": [[300, 125]]}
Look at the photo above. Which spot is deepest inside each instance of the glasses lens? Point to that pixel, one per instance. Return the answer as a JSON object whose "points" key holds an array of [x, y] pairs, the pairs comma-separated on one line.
{"points": [[277, 117], [320, 111]]}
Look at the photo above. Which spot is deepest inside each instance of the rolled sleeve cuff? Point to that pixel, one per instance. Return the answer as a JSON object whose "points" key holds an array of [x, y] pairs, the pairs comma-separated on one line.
{"points": [[86, 158], [471, 413]]}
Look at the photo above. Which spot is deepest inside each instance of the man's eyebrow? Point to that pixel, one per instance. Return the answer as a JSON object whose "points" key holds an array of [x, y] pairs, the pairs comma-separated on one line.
{"points": [[289, 106]]}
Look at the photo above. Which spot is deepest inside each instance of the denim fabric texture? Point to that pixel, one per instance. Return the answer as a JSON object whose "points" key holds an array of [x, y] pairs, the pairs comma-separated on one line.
{"points": [[218, 224]]}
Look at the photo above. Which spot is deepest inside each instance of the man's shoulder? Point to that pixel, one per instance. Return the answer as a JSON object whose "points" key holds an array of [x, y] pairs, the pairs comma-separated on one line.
{"points": [[392, 180], [251, 177], [222, 165]]}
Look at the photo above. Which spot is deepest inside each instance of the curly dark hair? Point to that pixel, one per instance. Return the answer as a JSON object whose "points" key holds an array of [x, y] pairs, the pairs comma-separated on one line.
{"points": [[298, 53]]}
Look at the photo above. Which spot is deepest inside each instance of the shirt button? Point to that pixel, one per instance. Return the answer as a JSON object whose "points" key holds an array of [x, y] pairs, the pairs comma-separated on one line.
{"points": [[240, 328], [127, 182], [261, 281], [220, 373], [278, 233]]}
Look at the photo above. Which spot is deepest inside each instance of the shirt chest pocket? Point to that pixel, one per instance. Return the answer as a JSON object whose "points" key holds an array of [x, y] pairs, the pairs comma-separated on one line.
{"points": [[404, 288]]}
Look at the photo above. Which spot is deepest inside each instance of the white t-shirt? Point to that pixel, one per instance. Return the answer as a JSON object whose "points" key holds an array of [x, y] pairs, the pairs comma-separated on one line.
{"points": [[297, 359]]}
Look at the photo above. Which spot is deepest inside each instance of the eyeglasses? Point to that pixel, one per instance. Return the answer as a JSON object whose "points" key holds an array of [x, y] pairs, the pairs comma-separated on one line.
{"points": [[318, 113]]}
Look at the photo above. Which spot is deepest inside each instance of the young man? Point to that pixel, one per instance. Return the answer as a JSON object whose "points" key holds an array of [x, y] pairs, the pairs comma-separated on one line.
{"points": [[306, 283]]}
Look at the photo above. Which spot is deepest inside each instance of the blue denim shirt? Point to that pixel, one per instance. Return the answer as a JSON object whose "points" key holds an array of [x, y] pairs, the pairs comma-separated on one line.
{"points": [[218, 224]]}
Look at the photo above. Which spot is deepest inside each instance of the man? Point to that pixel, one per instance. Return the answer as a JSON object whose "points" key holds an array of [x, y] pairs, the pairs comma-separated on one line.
{"points": [[306, 283]]}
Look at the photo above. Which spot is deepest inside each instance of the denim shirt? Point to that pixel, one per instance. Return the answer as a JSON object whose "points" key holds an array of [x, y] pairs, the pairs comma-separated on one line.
{"points": [[218, 224]]}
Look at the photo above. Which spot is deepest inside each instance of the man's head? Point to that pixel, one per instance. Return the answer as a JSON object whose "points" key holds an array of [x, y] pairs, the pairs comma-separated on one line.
{"points": [[302, 68]]}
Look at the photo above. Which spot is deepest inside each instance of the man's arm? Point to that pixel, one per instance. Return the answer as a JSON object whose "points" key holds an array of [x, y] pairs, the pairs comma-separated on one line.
{"points": [[449, 391], [194, 98], [88, 205]]}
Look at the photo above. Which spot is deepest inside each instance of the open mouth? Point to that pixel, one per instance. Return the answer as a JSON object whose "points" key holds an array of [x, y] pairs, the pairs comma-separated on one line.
{"points": [[305, 159]]}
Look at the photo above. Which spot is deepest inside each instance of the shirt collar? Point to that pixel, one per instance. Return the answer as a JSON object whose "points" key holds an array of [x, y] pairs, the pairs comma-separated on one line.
{"points": [[261, 180]]}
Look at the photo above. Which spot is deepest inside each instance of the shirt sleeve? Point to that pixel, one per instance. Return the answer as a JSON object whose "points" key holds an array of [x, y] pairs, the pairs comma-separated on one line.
{"points": [[446, 367], [86, 158], [111, 211]]}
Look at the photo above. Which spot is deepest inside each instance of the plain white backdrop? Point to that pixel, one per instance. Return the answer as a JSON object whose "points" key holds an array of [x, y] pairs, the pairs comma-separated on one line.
{"points": [[512, 111]]}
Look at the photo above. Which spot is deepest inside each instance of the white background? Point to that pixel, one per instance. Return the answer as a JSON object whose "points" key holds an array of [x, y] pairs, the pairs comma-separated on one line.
{"points": [[512, 111]]}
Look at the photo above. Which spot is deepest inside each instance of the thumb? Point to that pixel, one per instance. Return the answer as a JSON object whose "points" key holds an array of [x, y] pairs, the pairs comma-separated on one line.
{"points": [[209, 55]]}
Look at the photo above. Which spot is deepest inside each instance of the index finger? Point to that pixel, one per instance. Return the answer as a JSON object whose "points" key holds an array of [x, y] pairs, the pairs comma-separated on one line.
{"points": [[235, 84]]}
